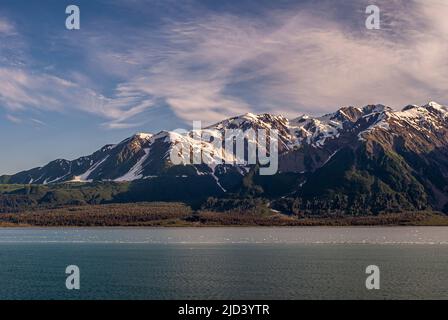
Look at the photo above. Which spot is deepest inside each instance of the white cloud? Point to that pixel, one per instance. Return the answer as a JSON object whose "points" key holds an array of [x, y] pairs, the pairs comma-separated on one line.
{"points": [[6, 28], [221, 65], [38, 122], [13, 119], [22, 89], [291, 62]]}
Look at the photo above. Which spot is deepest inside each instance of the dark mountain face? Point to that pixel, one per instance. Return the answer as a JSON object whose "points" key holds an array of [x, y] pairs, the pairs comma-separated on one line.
{"points": [[366, 159], [398, 161]]}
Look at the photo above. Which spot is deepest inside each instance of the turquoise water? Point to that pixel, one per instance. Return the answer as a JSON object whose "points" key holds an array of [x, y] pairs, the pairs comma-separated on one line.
{"points": [[224, 263]]}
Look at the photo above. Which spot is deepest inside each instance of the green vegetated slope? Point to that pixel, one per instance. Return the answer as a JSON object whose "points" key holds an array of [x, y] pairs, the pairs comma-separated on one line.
{"points": [[353, 163]]}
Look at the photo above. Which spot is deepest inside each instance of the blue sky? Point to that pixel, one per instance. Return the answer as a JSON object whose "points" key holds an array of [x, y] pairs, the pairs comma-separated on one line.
{"points": [[143, 66]]}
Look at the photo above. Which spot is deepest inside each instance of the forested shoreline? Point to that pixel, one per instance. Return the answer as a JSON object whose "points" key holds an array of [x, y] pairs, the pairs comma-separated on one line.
{"points": [[112, 204]]}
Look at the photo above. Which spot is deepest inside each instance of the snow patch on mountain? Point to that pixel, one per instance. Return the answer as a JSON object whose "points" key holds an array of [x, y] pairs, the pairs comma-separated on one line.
{"points": [[315, 131], [136, 171], [85, 176], [326, 133], [143, 135]]}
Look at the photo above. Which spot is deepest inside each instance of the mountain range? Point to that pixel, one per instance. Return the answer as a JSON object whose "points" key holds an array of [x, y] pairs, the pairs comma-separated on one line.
{"points": [[356, 160]]}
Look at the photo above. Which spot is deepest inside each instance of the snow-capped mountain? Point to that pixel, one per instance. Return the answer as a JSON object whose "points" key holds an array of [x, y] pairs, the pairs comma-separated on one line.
{"points": [[146, 155], [397, 151]]}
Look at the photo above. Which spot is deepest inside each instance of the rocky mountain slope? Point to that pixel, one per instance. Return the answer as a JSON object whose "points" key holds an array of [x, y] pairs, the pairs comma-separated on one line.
{"points": [[366, 159]]}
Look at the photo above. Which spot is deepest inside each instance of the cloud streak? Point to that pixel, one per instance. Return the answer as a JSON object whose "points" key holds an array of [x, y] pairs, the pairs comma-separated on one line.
{"points": [[220, 64], [6, 28], [13, 119], [291, 62]]}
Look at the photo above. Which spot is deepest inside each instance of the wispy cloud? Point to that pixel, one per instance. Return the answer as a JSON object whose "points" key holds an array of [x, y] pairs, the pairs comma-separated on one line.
{"points": [[38, 122], [290, 62], [13, 119], [22, 89], [214, 65], [6, 28]]}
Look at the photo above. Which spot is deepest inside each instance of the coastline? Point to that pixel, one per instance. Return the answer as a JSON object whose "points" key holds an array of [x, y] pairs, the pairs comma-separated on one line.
{"points": [[358, 235], [196, 221]]}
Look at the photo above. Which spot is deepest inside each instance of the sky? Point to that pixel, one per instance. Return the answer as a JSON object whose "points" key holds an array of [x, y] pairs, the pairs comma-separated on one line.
{"points": [[143, 66]]}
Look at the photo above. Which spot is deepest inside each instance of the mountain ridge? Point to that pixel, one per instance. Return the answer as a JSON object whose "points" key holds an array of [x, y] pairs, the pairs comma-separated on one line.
{"points": [[354, 157], [139, 138]]}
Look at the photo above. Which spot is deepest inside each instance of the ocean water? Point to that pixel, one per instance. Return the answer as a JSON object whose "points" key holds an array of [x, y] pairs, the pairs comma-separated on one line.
{"points": [[224, 263]]}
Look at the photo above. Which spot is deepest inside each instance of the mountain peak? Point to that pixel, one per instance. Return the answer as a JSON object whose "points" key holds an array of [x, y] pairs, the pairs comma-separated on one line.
{"points": [[375, 108], [249, 115], [433, 104], [347, 113], [410, 107], [143, 135], [430, 106], [436, 106], [144, 154]]}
